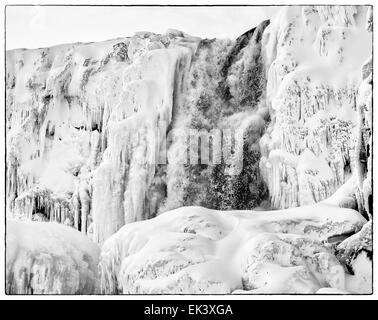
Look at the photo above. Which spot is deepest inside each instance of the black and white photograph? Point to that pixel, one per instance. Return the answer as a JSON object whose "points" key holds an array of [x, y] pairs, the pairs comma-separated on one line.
{"points": [[182, 149]]}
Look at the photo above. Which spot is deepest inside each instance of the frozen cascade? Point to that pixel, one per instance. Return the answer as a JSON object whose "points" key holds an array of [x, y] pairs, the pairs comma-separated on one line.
{"points": [[224, 91], [136, 131], [94, 158]]}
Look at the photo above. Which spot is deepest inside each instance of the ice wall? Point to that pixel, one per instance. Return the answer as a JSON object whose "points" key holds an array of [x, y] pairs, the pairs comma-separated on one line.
{"points": [[85, 123], [318, 100], [136, 130]]}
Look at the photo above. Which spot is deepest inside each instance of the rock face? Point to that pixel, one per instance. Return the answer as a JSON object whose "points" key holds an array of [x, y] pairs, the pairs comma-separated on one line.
{"points": [[101, 136], [49, 258], [196, 250]]}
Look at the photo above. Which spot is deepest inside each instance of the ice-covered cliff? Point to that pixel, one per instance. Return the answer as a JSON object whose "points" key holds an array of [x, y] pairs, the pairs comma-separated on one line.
{"points": [[101, 135], [97, 133], [84, 127], [319, 97]]}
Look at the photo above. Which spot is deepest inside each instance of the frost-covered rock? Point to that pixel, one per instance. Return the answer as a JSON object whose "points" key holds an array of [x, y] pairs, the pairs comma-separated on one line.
{"points": [[49, 258], [351, 247], [197, 250]]}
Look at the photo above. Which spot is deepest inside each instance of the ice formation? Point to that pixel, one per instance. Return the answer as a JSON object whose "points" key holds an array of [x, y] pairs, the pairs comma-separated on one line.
{"points": [[49, 258], [319, 100], [96, 139]]}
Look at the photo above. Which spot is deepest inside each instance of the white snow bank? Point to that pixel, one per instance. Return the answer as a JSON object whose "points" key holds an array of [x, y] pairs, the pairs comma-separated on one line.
{"points": [[49, 258], [194, 250]]}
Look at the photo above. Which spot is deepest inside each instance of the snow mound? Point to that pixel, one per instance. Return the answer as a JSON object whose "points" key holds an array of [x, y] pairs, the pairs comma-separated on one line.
{"points": [[49, 258], [193, 250]]}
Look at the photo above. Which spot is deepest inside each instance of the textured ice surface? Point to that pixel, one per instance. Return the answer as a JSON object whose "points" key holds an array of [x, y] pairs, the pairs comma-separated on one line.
{"points": [[49, 258], [197, 250]]}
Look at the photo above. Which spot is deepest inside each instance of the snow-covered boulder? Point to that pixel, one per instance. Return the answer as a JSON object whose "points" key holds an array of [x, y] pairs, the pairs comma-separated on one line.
{"points": [[198, 250], [49, 258]]}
